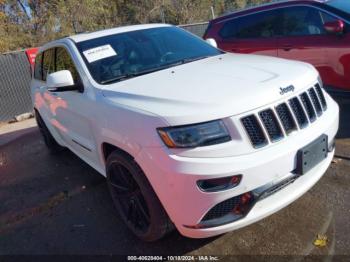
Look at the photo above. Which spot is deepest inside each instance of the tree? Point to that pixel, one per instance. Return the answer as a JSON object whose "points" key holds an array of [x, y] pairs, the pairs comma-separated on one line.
{"points": [[28, 23]]}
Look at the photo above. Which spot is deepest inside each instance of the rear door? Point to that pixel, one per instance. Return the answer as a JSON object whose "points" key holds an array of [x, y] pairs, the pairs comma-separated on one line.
{"points": [[253, 33], [305, 39]]}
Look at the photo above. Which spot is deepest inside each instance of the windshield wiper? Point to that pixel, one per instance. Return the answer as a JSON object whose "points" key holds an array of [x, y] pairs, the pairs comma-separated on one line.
{"points": [[144, 72], [152, 70], [189, 60], [117, 79]]}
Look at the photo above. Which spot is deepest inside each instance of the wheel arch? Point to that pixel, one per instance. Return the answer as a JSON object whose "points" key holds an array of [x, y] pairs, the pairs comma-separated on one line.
{"points": [[108, 148]]}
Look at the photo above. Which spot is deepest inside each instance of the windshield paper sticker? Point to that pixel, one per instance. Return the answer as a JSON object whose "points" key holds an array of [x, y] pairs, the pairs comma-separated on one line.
{"points": [[99, 53]]}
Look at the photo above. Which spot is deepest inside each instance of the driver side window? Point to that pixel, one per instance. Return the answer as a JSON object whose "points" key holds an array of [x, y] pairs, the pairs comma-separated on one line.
{"points": [[303, 21], [48, 63], [65, 62], [329, 18]]}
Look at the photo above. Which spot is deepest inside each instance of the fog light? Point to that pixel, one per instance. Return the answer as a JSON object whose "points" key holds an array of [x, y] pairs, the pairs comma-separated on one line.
{"points": [[219, 184]]}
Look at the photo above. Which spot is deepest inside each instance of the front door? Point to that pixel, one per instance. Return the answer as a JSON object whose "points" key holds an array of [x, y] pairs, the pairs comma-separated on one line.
{"points": [[305, 39], [71, 112]]}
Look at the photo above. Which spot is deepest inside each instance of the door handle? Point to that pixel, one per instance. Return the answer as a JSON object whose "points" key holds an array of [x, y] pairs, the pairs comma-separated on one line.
{"points": [[236, 50], [287, 47], [44, 89]]}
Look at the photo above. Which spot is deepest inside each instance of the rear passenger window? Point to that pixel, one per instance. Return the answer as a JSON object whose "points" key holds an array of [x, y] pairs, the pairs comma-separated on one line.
{"points": [[48, 63], [261, 25], [38, 73], [65, 62]]}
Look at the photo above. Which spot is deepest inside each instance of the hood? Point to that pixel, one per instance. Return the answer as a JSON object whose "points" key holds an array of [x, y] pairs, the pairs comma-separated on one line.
{"points": [[212, 88]]}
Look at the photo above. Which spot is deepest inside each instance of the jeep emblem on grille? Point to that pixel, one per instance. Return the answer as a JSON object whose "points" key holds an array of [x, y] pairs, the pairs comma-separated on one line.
{"points": [[286, 90]]}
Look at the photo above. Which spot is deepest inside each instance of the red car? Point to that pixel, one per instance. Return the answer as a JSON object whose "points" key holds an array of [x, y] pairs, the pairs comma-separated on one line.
{"points": [[317, 32]]}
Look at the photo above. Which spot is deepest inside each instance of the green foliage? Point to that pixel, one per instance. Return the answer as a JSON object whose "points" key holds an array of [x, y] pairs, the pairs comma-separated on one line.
{"points": [[27, 23]]}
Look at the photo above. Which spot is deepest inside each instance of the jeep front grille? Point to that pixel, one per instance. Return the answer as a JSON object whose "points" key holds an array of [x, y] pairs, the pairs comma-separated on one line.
{"points": [[273, 124]]}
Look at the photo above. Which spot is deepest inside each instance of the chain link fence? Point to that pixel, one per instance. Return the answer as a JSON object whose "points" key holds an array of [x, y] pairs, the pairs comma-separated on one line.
{"points": [[197, 29], [15, 79]]}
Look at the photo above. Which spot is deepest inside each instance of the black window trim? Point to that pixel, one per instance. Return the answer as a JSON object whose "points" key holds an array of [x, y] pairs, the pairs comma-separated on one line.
{"points": [[41, 66], [74, 63], [276, 8], [43, 59], [55, 62], [287, 6]]}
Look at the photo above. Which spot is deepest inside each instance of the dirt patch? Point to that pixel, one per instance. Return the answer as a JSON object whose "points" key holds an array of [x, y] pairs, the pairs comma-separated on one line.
{"points": [[3, 124], [30, 212]]}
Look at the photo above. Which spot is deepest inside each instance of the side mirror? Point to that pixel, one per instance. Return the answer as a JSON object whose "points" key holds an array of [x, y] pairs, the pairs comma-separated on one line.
{"points": [[335, 27], [61, 81], [212, 42]]}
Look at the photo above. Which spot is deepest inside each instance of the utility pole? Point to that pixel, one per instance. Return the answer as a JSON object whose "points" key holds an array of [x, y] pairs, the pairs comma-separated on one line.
{"points": [[162, 15], [212, 12], [23, 8]]}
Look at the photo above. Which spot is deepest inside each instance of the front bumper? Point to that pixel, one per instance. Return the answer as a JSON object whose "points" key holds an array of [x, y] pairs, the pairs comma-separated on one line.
{"points": [[174, 178], [267, 206]]}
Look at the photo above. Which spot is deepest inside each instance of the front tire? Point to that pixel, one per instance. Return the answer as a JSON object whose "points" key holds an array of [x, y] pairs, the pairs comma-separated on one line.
{"points": [[135, 199], [49, 140]]}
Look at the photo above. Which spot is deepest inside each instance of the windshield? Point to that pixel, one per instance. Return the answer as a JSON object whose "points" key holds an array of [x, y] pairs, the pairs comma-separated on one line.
{"points": [[121, 56], [342, 5]]}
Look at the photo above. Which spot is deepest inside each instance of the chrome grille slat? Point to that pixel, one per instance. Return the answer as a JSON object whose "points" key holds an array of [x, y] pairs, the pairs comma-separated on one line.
{"points": [[321, 97], [315, 101], [254, 131], [286, 118], [299, 112], [308, 107], [273, 124]]}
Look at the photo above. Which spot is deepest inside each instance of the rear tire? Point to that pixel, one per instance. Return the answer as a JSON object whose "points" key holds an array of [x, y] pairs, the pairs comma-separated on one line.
{"points": [[135, 199], [49, 140]]}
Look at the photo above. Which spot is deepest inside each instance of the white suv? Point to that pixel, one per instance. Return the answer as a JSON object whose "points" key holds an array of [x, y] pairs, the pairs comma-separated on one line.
{"points": [[186, 134]]}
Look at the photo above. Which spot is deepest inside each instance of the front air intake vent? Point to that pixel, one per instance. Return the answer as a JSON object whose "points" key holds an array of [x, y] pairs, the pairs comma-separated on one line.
{"points": [[222, 208]]}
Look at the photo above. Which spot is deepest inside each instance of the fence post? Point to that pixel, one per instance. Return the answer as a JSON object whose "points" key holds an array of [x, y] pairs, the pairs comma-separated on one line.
{"points": [[212, 12]]}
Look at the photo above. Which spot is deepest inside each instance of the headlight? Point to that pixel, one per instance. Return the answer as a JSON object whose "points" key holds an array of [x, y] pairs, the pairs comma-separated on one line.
{"points": [[204, 134]]}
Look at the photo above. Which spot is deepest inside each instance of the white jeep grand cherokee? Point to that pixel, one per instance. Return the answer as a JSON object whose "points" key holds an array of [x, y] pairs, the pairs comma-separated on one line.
{"points": [[186, 134]]}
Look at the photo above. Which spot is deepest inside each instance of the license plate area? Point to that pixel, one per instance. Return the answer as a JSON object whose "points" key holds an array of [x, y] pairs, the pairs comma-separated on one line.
{"points": [[312, 154]]}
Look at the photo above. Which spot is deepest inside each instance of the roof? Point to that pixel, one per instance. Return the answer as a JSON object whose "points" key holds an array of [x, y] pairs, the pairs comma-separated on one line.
{"points": [[87, 36], [274, 3]]}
